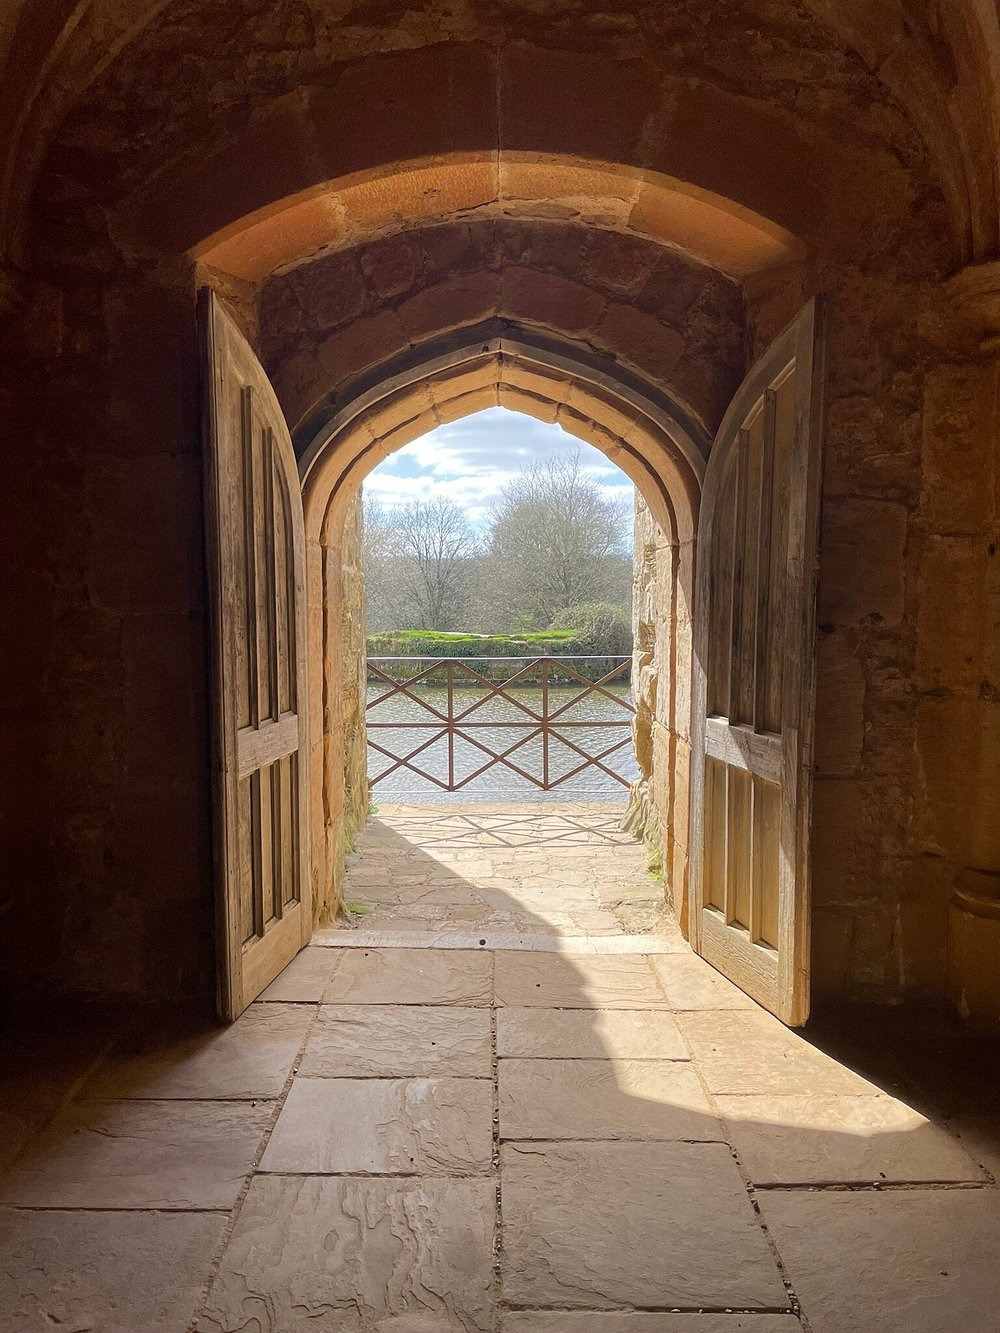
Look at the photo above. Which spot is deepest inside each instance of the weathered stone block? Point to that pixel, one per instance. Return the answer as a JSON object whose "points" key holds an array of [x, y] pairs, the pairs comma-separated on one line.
{"points": [[619, 263], [327, 292], [547, 298], [861, 562], [947, 749], [548, 104], [960, 431], [391, 265], [838, 816], [380, 110], [640, 338], [949, 620], [448, 305], [365, 343], [840, 701]]}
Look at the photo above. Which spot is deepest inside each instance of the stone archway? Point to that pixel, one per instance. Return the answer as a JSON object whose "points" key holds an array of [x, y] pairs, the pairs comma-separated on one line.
{"points": [[650, 438], [878, 158]]}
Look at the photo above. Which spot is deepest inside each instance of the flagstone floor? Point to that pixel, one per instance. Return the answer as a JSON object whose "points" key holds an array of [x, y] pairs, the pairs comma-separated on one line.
{"points": [[509, 1098]]}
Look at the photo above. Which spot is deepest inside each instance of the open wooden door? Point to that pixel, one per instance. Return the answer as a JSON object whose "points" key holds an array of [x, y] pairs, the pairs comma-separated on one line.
{"points": [[256, 553], [754, 686]]}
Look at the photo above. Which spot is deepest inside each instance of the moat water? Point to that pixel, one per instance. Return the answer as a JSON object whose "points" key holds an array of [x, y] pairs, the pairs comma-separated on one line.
{"points": [[592, 724]]}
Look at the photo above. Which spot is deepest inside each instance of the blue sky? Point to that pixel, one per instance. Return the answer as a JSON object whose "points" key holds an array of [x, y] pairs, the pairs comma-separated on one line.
{"points": [[469, 460]]}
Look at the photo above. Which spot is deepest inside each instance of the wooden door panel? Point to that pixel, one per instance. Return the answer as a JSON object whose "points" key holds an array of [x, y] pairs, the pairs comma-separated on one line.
{"points": [[753, 699], [256, 552]]}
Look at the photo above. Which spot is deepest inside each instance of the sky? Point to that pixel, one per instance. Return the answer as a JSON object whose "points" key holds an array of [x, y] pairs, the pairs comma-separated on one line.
{"points": [[470, 460]]}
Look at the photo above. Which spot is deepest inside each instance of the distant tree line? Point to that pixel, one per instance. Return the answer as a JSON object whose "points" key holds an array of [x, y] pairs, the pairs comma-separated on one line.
{"points": [[554, 544]]}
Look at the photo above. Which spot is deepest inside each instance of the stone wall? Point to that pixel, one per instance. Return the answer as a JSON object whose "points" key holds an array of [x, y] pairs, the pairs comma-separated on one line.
{"points": [[647, 808], [349, 814], [658, 803], [106, 834]]}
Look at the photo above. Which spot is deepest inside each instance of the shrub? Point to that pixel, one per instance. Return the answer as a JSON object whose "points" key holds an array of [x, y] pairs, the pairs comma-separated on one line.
{"points": [[598, 627]]}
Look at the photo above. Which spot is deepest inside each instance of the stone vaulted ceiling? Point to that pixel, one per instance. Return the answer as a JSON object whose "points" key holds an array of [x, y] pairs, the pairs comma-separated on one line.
{"points": [[128, 103]]}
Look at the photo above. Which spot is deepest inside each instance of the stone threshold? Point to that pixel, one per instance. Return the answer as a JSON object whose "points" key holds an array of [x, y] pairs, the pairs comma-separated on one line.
{"points": [[499, 942]]}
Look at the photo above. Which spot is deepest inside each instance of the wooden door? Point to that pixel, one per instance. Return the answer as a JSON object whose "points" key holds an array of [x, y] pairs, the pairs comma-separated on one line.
{"points": [[754, 687], [256, 557]]}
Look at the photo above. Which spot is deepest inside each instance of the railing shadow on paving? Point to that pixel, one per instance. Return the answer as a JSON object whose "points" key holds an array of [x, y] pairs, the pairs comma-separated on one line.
{"points": [[462, 716]]}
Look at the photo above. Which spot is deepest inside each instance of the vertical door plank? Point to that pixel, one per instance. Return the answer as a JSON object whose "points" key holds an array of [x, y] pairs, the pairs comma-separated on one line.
{"points": [[783, 439], [738, 849], [716, 824], [747, 522], [720, 608], [766, 861]]}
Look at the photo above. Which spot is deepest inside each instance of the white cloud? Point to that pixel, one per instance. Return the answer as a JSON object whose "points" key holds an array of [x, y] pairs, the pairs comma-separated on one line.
{"points": [[470, 461]]}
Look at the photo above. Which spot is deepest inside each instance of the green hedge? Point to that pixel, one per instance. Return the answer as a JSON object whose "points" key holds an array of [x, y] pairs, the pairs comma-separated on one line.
{"points": [[541, 643], [433, 643]]}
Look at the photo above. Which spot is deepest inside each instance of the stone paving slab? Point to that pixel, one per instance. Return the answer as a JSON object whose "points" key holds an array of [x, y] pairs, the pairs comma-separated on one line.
{"points": [[304, 979], [384, 1040], [357, 1256], [574, 1034], [749, 1051], [481, 918], [409, 976], [471, 916], [45, 1054], [979, 1135], [850, 1140], [250, 1058], [639, 1321], [899, 1261], [588, 982], [440, 892], [604, 1099], [532, 894], [110, 1272], [652, 1225], [691, 983], [100, 1154], [417, 1126]]}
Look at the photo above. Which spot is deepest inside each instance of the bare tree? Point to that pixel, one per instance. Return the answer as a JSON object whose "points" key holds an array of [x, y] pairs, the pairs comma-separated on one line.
{"points": [[438, 546], [382, 567], [556, 540]]}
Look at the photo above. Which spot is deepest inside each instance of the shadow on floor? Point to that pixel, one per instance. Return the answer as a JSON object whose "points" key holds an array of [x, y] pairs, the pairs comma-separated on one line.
{"points": [[658, 1142]]}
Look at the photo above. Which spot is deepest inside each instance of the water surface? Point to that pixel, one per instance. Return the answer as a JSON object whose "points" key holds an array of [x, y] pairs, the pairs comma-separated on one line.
{"points": [[501, 723]]}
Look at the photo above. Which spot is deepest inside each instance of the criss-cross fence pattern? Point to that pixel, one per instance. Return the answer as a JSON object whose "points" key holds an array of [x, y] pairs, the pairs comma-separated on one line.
{"points": [[450, 720]]}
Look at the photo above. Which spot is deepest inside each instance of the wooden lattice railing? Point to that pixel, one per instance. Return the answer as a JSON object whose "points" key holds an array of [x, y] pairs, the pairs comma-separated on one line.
{"points": [[451, 691]]}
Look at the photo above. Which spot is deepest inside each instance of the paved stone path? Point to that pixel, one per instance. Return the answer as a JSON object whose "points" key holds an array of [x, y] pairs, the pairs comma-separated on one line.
{"points": [[494, 1106]]}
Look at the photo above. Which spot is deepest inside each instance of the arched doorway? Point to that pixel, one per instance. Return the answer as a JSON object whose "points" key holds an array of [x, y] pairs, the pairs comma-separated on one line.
{"points": [[654, 441], [750, 844]]}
